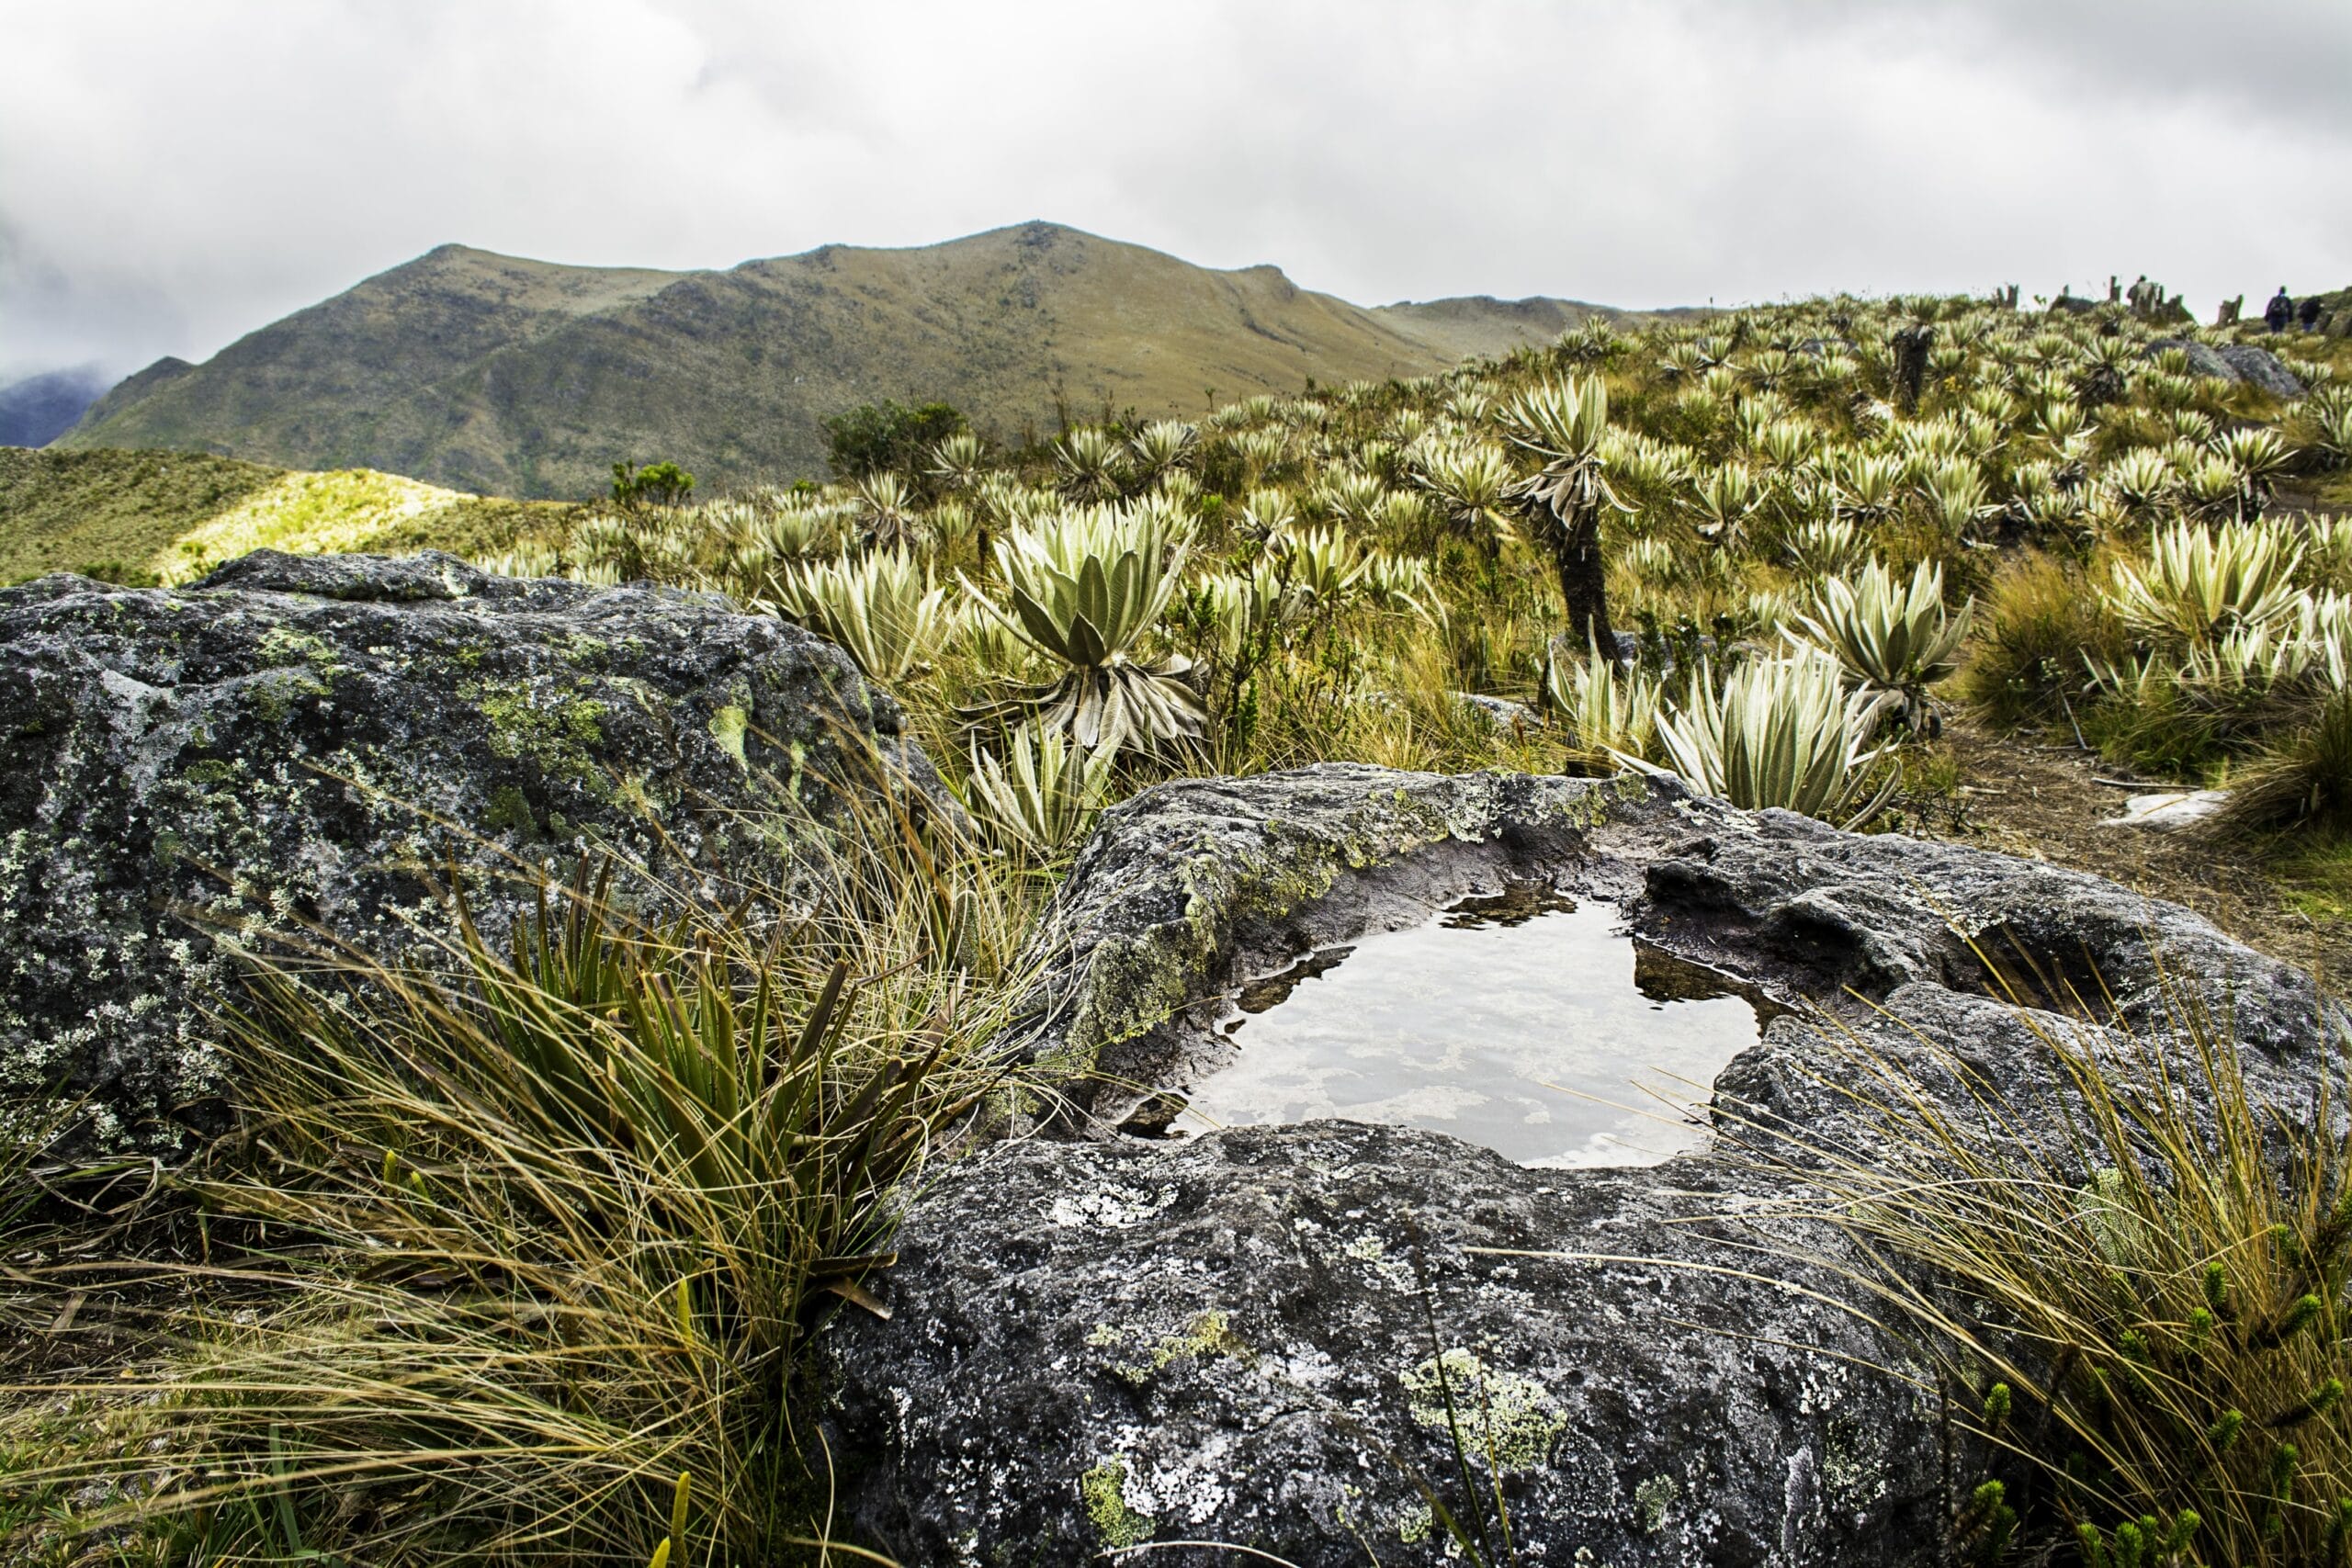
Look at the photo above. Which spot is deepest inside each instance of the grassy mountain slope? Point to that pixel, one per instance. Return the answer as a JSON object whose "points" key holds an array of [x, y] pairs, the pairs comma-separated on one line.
{"points": [[516, 378], [149, 516]]}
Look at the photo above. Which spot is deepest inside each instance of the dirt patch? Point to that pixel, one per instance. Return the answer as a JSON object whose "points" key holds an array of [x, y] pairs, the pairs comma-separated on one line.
{"points": [[2047, 802]]}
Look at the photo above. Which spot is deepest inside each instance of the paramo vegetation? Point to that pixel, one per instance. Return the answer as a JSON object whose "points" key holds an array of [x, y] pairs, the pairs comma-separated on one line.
{"points": [[432, 1305], [1766, 550]]}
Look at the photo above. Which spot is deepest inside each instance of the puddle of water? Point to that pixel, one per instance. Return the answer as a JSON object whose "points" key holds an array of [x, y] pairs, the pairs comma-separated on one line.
{"points": [[1523, 1021]]}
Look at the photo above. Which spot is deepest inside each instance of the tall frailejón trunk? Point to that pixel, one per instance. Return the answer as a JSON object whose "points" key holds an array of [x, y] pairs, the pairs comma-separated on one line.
{"points": [[1911, 345], [1584, 581]]}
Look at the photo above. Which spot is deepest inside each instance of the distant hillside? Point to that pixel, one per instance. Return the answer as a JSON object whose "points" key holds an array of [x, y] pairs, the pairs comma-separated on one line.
{"points": [[37, 410], [519, 378], [1485, 327], [162, 516]]}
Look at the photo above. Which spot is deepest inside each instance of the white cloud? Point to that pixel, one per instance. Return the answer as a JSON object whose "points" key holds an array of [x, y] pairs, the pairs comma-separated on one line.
{"points": [[173, 175]]}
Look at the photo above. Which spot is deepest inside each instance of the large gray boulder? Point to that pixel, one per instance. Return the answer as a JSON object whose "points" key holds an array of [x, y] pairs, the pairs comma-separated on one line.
{"points": [[1100, 1339], [2259, 365], [310, 744], [2204, 359], [2235, 361]]}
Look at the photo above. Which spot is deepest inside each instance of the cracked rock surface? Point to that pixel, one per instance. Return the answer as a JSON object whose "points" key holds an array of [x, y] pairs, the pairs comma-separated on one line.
{"points": [[1253, 1337], [311, 743]]}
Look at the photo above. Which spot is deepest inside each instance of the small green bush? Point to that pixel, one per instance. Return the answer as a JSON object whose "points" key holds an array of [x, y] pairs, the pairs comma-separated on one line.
{"points": [[873, 438], [654, 485]]}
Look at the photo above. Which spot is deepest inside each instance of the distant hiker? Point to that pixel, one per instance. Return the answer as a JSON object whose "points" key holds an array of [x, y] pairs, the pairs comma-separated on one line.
{"points": [[2115, 291], [2279, 311], [2138, 295], [2308, 314]]}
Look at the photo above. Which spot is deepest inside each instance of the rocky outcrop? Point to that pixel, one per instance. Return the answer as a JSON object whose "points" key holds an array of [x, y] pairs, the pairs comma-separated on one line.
{"points": [[1252, 1336], [2262, 367], [1188, 893], [2235, 361], [314, 744], [2204, 359]]}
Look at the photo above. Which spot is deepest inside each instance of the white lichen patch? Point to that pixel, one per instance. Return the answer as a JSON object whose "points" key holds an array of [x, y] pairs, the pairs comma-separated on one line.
{"points": [[1112, 1206], [1370, 1250], [1194, 1485]]}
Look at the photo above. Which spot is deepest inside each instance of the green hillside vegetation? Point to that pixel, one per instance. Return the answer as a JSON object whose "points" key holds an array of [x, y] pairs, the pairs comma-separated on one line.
{"points": [[142, 517], [507, 376], [1750, 493]]}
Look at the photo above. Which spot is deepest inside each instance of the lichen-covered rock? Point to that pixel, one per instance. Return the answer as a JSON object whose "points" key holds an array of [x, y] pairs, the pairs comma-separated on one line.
{"points": [[1241, 1339], [1253, 1337], [311, 743], [1191, 891]]}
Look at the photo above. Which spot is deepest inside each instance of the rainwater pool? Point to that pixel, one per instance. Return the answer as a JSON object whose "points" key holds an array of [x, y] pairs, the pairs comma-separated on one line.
{"points": [[1526, 1022]]}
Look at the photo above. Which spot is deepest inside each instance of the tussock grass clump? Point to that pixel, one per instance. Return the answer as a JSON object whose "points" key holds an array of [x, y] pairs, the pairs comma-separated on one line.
{"points": [[2141, 1313], [30, 1131], [2040, 621], [2304, 781], [544, 1231]]}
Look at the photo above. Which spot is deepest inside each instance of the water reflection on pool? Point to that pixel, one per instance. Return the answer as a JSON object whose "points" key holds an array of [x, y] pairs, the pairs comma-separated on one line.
{"points": [[1525, 1023]]}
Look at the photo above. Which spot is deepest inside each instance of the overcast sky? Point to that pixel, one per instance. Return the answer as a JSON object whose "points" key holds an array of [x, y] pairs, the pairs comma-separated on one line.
{"points": [[174, 175]]}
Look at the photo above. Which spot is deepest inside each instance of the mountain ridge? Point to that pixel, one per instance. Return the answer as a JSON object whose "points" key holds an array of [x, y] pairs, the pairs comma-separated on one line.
{"points": [[39, 409], [503, 375]]}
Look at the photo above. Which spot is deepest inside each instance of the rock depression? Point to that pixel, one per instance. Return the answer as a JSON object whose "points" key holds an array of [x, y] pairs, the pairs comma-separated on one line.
{"points": [[1252, 1336]]}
